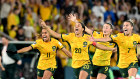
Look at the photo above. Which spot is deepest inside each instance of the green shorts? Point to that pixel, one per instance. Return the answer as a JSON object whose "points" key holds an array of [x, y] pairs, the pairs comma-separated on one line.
{"points": [[86, 67], [124, 71], [99, 69], [41, 72]]}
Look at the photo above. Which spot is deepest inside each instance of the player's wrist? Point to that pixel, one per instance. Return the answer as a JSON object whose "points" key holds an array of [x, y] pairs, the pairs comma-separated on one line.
{"points": [[94, 43]]}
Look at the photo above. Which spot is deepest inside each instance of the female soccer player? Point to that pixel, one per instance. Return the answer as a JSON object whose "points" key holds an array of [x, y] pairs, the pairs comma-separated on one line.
{"points": [[47, 61], [127, 44], [101, 58], [79, 48]]}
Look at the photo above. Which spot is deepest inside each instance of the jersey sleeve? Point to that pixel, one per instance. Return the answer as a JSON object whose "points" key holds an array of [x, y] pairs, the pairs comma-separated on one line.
{"points": [[65, 37], [95, 33], [114, 38], [59, 45], [34, 45]]}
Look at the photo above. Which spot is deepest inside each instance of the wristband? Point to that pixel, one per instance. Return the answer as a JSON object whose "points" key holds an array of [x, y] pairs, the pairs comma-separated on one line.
{"points": [[94, 43]]}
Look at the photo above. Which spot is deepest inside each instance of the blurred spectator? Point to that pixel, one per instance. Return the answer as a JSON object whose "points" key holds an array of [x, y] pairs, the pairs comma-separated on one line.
{"points": [[9, 61], [12, 32], [1, 27], [31, 16], [45, 9], [20, 34], [4, 11], [13, 18], [98, 9], [99, 22], [109, 15], [29, 30]]}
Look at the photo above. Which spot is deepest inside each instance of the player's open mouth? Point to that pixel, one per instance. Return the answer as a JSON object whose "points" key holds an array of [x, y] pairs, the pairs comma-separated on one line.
{"points": [[125, 30], [76, 29], [44, 37]]}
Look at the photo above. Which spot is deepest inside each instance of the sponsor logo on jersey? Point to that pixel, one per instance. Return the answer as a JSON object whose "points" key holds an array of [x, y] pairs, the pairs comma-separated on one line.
{"points": [[84, 44], [54, 48]]}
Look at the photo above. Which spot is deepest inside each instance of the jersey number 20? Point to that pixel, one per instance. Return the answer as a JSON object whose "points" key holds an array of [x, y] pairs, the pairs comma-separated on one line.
{"points": [[77, 50]]}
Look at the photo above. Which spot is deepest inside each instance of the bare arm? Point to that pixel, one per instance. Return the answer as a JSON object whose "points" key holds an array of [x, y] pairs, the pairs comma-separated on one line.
{"points": [[25, 49], [1, 65], [73, 18], [67, 52], [92, 39], [51, 32], [99, 46], [89, 31]]}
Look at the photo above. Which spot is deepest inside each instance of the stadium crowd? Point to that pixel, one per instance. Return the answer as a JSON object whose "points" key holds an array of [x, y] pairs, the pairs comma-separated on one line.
{"points": [[20, 18]]}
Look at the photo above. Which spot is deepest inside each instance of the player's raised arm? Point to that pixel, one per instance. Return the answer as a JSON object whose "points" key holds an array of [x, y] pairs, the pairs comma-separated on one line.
{"points": [[25, 49], [72, 17], [102, 47], [51, 32]]}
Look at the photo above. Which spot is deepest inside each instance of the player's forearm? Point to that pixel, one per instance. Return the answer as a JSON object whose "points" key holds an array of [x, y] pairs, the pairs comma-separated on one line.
{"points": [[89, 31], [52, 33], [24, 49], [102, 47], [103, 40]]}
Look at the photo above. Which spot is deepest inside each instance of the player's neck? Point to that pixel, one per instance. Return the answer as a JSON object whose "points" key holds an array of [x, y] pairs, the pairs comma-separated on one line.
{"points": [[130, 34], [48, 40], [79, 35]]}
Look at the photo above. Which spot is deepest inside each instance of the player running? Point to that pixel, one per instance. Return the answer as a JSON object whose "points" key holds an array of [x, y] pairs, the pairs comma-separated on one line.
{"points": [[47, 61], [126, 44], [79, 48], [101, 58]]}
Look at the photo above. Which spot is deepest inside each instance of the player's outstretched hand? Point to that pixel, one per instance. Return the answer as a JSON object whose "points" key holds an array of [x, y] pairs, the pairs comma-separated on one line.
{"points": [[42, 23], [72, 17], [92, 39], [12, 52]]}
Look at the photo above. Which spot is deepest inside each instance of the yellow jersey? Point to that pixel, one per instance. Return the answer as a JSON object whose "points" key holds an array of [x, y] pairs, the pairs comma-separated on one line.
{"points": [[126, 48], [79, 48], [47, 53], [102, 57]]}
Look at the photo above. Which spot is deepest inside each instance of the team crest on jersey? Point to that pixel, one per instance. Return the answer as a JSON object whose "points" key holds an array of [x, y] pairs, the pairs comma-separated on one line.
{"points": [[84, 44], [54, 48], [134, 42]]}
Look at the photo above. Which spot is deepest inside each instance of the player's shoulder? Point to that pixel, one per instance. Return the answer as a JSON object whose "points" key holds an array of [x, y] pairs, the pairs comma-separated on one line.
{"points": [[118, 35], [97, 32], [68, 34], [87, 35], [39, 40], [136, 35], [54, 40]]}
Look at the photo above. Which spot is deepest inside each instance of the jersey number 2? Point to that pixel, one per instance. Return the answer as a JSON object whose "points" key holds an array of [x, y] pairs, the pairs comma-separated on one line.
{"points": [[77, 50]]}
